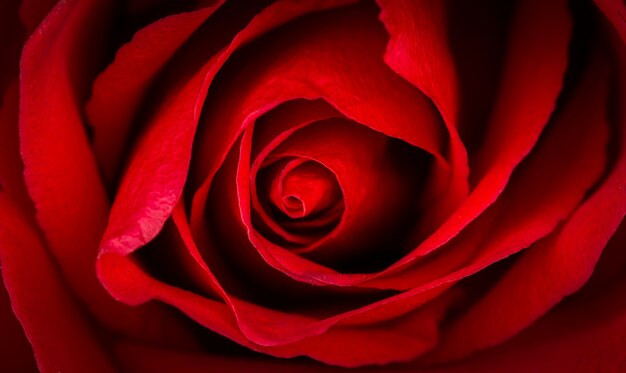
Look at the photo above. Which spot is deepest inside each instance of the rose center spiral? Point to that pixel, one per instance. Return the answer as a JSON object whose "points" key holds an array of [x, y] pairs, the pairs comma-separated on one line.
{"points": [[304, 189]]}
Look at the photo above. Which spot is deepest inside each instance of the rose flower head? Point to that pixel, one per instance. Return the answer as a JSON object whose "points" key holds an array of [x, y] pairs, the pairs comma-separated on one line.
{"points": [[287, 185]]}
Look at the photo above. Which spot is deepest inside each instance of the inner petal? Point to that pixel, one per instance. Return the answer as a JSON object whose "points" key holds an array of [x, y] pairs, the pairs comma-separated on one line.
{"points": [[299, 200], [304, 189]]}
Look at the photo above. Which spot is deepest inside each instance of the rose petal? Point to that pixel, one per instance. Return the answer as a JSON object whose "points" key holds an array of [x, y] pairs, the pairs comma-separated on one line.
{"points": [[340, 346], [515, 234], [560, 264], [60, 170], [417, 51], [568, 161], [292, 226], [585, 333], [539, 28], [279, 84], [305, 190], [595, 343], [125, 83], [43, 288], [142, 205], [552, 344], [560, 38]]}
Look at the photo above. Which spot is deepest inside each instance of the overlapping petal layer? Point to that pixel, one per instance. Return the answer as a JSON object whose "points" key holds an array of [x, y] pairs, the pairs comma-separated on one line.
{"points": [[60, 171]]}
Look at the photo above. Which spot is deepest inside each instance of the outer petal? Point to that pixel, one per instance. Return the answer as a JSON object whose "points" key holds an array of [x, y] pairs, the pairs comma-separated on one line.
{"points": [[595, 344], [564, 262], [60, 171], [539, 28], [568, 161], [41, 288], [346, 344], [406, 337], [417, 51], [59, 168], [585, 333], [553, 268], [124, 84]]}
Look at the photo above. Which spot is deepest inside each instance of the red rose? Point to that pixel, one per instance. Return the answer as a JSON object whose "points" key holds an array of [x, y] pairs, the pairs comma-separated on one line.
{"points": [[434, 185]]}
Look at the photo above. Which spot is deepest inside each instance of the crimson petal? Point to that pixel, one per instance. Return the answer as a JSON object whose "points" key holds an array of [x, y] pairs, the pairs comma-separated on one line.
{"points": [[59, 168], [521, 112], [559, 265], [44, 288], [125, 82]]}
